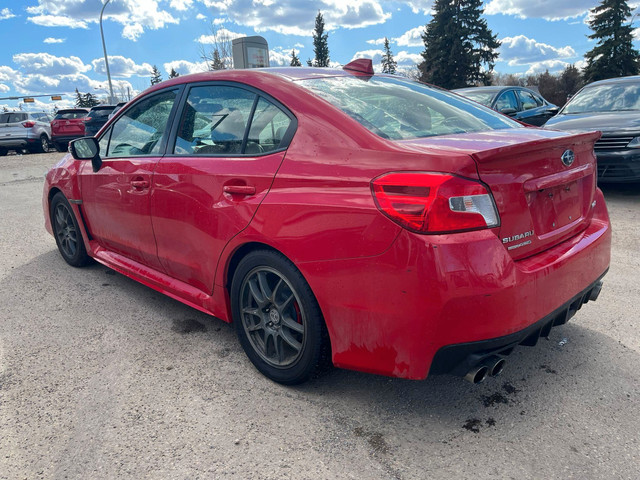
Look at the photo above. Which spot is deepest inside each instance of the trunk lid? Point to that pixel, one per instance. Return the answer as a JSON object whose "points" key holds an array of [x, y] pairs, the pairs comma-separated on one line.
{"points": [[541, 199]]}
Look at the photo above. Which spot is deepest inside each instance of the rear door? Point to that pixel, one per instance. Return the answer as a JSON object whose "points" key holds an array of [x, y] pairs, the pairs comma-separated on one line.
{"points": [[116, 199], [227, 145]]}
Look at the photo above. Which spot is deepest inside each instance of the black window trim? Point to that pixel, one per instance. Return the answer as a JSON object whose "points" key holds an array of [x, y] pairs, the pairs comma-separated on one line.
{"points": [[284, 143]]}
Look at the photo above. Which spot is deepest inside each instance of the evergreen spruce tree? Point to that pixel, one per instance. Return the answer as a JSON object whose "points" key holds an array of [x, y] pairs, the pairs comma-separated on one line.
{"points": [[320, 45], [389, 65], [90, 100], [295, 61], [173, 73], [156, 77], [460, 50], [309, 62], [217, 63], [79, 100], [614, 55]]}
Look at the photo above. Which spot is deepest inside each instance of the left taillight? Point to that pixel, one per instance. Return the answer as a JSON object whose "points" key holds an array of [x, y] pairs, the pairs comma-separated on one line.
{"points": [[28, 124], [428, 203]]}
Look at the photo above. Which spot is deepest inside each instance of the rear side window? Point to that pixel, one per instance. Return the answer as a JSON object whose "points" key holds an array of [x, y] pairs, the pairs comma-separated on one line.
{"points": [[214, 121], [100, 113], [268, 127], [528, 100], [140, 130], [4, 117]]}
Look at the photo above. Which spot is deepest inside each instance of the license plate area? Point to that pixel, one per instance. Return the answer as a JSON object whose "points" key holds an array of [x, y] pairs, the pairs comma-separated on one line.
{"points": [[556, 207]]}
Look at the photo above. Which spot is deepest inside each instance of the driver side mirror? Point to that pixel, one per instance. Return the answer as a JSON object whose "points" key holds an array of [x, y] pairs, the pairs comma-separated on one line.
{"points": [[86, 148]]}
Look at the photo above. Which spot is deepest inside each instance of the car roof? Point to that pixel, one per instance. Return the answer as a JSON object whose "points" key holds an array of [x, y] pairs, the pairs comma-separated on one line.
{"points": [[629, 79], [103, 107]]}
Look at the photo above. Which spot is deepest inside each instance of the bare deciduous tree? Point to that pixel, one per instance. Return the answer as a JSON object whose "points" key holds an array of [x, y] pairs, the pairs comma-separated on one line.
{"points": [[217, 52]]}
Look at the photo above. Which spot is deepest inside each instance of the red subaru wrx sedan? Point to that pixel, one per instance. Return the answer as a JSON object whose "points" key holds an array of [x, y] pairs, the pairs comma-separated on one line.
{"points": [[387, 225]]}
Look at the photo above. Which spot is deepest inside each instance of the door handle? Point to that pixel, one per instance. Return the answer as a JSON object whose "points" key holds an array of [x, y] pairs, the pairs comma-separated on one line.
{"points": [[140, 184], [239, 189]]}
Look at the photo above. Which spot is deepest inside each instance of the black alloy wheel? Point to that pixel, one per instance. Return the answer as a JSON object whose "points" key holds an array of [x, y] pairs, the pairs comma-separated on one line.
{"points": [[67, 233], [277, 318]]}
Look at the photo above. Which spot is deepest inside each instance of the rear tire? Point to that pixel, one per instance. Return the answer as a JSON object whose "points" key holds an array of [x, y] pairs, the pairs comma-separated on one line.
{"points": [[43, 146], [277, 318], [67, 233]]}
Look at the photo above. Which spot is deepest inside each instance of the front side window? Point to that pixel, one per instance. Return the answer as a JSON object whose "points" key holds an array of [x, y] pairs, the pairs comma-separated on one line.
{"points": [[400, 109], [214, 121], [140, 130]]}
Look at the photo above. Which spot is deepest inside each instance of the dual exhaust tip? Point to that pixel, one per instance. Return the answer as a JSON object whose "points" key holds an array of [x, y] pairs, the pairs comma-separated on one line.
{"points": [[490, 367]]}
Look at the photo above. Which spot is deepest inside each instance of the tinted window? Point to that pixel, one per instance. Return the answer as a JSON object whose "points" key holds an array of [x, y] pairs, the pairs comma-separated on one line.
{"points": [[613, 97], [4, 117], [481, 97], [268, 126], [100, 113], [400, 109], [214, 121], [507, 100], [140, 130]]}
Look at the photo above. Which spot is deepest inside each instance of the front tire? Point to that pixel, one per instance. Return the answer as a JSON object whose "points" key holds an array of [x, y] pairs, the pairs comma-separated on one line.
{"points": [[277, 318], [67, 233]]}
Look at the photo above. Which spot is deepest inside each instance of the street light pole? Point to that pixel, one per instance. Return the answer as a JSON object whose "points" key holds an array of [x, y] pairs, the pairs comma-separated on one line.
{"points": [[104, 48]]}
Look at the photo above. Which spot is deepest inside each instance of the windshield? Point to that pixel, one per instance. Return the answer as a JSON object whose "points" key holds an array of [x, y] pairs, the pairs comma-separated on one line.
{"points": [[612, 97], [481, 97], [400, 109]]}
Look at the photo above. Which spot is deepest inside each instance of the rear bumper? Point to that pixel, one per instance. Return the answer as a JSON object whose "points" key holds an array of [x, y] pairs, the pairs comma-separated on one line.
{"points": [[65, 138], [393, 313], [618, 166], [16, 142], [459, 359]]}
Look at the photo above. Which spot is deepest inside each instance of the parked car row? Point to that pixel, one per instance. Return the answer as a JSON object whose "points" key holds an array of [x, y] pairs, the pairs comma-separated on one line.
{"points": [[611, 106], [36, 131]]}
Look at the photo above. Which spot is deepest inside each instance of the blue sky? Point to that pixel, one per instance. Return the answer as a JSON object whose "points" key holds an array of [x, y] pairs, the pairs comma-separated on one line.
{"points": [[53, 46]]}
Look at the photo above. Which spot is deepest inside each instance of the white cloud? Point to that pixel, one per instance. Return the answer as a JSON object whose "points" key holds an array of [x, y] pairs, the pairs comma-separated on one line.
{"points": [[183, 67], [280, 57], [47, 64], [376, 41], [220, 35], [424, 6], [547, 9], [521, 50], [7, 73], [134, 15], [403, 58], [5, 14], [4, 88], [201, 17], [57, 21], [411, 38], [291, 17], [407, 59], [54, 40], [120, 66], [181, 5], [551, 65], [38, 84]]}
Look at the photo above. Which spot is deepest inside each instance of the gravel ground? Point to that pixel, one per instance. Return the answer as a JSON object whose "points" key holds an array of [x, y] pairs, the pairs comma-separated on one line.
{"points": [[102, 378]]}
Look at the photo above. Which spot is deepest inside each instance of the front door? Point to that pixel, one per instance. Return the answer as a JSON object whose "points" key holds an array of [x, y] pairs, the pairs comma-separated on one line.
{"points": [[116, 199]]}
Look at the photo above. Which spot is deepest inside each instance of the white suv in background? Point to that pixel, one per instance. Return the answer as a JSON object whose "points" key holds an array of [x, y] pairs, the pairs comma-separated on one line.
{"points": [[24, 130]]}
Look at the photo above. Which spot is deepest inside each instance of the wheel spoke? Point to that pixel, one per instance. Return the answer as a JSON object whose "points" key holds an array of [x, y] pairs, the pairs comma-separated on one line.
{"points": [[287, 301], [274, 293], [296, 345], [252, 311], [60, 217], [292, 325], [277, 348], [256, 293], [264, 286]]}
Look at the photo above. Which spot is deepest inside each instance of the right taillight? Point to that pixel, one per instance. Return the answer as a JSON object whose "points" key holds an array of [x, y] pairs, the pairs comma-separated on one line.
{"points": [[434, 203]]}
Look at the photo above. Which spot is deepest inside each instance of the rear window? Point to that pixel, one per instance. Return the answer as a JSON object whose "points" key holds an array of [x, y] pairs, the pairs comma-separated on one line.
{"points": [[13, 117], [70, 115], [100, 112], [400, 109]]}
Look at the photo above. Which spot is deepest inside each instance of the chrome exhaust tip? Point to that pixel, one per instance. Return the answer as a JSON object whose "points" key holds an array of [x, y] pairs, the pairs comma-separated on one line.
{"points": [[477, 374], [497, 367]]}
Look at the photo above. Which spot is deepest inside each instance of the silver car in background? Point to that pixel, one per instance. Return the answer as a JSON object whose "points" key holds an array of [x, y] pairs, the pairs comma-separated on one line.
{"points": [[24, 131]]}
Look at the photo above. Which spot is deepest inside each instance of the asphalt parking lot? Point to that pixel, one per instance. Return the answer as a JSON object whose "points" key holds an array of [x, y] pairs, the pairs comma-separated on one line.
{"points": [[103, 378]]}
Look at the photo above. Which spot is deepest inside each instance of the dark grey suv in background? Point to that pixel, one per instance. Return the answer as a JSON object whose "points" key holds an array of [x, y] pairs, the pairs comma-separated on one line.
{"points": [[24, 130], [613, 107]]}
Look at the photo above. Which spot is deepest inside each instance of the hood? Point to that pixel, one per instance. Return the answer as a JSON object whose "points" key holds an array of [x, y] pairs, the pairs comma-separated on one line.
{"points": [[610, 122]]}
